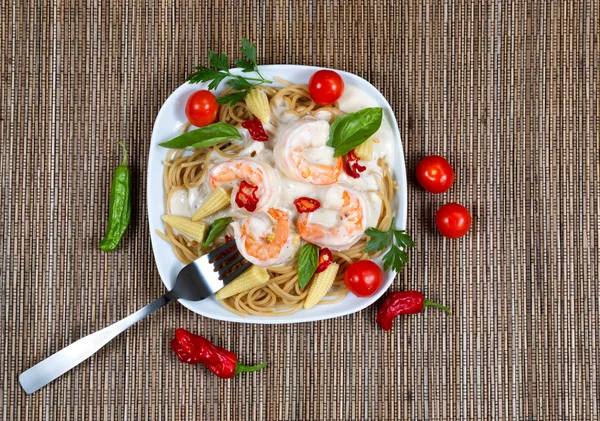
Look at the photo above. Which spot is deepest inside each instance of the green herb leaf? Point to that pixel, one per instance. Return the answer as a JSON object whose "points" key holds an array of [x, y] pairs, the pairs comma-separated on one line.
{"points": [[232, 98], [218, 61], [239, 83], [307, 263], [402, 238], [245, 65], [379, 240], [397, 256], [350, 130], [215, 229], [204, 137], [249, 51], [395, 259]]}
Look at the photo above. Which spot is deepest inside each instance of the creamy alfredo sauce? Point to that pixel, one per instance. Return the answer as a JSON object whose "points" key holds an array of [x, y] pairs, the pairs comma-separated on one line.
{"points": [[185, 203]]}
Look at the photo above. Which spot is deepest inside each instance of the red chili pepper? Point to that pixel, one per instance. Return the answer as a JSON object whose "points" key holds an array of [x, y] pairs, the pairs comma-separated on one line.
{"points": [[194, 349], [246, 196], [256, 129], [306, 204], [351, 165], [403, 302], [325, 259]]}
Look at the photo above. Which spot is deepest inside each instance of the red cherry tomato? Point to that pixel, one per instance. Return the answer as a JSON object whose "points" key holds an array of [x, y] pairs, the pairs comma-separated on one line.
{"points": [[325, 87], [363, 277], [201, 108], [435, 174], [453, 220]]}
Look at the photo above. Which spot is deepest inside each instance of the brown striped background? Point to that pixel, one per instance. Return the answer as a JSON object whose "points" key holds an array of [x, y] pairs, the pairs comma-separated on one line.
{"points": [[508, 91]]}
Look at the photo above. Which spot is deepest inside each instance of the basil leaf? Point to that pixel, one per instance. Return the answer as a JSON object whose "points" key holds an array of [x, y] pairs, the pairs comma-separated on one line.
{"points": [[307, 263], [215, 229], [203, 137], [350, 130]]}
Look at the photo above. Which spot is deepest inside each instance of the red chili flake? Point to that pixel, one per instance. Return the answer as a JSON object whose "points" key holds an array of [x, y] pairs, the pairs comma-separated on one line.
{"points": [[325, 259], [246, 196], [306, 204], [256, 129], [351, 165]]}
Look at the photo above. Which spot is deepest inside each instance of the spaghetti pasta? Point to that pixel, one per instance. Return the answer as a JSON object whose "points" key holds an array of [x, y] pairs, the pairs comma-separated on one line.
{"points": [[282, 295]]}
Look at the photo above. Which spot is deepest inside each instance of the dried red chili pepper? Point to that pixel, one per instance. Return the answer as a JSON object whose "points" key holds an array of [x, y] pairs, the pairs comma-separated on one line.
{"points": [[325, 259], [256, 129], [194, 349], [306, 204], [246, 196], [403, 302], [351, 165]]}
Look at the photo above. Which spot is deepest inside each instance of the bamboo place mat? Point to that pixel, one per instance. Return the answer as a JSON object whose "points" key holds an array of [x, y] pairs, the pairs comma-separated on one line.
{"points": [[507, 91]]}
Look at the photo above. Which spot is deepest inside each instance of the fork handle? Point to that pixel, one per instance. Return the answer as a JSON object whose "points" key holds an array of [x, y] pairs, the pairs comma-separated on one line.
{"points": [[59, 363]]}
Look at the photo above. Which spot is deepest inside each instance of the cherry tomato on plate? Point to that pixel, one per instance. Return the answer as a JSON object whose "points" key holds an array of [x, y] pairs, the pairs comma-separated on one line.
{"points": [[201, 108], [363, 277], [453, 220], [435, 174], [325, 87]]}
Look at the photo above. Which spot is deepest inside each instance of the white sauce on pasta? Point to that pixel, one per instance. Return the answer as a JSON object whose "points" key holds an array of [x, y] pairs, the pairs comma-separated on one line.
{"points": [[185, 203]]}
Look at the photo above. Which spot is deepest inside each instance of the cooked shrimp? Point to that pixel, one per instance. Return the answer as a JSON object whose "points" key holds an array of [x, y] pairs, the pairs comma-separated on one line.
{"points": [[301, 152], [340, 221], [231, 172], [263, 242]]}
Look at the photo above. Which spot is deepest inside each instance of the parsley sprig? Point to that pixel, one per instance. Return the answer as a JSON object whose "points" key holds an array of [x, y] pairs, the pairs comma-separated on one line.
{"points": [[397, 257], [218, 70]]}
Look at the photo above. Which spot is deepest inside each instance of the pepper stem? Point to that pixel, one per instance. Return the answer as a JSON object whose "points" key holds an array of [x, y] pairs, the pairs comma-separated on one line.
{"points": [[241, 368], [428, 303], [124, 153]]}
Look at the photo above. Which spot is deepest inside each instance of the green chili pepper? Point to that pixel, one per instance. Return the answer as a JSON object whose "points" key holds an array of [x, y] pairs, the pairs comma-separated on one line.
{"points": [[120, 205]]}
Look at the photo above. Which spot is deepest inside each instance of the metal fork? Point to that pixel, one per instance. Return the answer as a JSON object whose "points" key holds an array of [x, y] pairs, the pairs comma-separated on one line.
{"points": [[196, 281]]}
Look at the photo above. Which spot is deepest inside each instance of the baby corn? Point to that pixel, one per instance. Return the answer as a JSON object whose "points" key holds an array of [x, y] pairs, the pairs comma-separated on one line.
{"points": [[252, 278], [364, 151], [320, 285], [258, 104], [216, 201], [193, 230]]}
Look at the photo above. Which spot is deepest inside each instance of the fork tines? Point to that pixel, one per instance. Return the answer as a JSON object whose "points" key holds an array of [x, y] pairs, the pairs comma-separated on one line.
{"points": [[229, 256]]}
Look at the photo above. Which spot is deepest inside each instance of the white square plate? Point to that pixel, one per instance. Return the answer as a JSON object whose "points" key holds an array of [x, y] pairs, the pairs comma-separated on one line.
{"points": [[168, 124]]}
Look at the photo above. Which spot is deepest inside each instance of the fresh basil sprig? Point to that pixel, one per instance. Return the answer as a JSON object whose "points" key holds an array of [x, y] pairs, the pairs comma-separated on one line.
{"points": [[307, 263], [219, 70], [215, 229], [350, 130], [204, 137]]}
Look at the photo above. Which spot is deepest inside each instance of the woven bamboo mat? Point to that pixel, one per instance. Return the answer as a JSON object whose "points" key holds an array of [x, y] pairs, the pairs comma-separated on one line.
{"points": [[508, 91]]}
